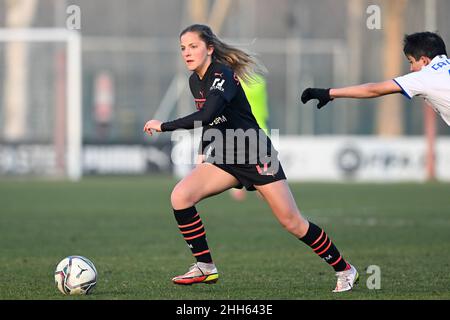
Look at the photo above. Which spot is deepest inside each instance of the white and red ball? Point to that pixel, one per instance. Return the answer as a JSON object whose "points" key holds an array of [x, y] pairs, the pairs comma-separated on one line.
{"points": [[75, 275]]}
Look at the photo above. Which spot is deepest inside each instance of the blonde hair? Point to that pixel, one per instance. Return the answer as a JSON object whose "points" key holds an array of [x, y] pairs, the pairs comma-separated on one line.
{"points": [[245, 64]]}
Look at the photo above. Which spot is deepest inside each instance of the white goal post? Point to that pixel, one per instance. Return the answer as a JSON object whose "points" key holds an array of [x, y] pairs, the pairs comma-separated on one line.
{"points": [[72, 39]]}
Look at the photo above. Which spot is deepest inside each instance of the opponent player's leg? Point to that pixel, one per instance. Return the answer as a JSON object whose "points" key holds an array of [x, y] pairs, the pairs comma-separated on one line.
{"points": [[279, 197], [204, 181]]}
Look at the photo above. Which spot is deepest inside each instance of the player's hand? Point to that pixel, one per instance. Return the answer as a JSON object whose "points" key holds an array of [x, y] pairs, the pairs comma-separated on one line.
{"points": [[152, 125], [323, 95]]}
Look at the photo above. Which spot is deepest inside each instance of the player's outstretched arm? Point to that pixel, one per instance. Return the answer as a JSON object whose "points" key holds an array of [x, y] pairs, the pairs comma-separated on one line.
{"points": [[367, 90], [152, 125]]}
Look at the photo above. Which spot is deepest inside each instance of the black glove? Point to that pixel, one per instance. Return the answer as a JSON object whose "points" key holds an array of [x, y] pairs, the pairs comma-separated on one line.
{"points": [[323, 95]]}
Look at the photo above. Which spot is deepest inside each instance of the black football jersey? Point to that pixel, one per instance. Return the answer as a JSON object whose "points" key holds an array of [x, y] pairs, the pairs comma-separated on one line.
{"points": [[230, 131]]}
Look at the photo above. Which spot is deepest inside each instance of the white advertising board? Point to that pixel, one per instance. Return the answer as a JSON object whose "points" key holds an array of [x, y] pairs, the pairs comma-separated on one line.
{"points": [[361, 158]]}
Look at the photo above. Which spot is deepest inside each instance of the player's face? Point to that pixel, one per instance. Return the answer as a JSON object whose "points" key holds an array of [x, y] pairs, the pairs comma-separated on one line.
{"points": [[196, 54], [417, 65]]}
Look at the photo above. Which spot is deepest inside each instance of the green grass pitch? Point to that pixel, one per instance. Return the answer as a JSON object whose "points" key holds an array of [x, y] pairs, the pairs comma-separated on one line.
{"points": [[126, 227]]}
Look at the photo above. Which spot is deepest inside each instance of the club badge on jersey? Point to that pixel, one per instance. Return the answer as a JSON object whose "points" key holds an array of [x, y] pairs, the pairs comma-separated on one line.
{"points": [[217, 85]]}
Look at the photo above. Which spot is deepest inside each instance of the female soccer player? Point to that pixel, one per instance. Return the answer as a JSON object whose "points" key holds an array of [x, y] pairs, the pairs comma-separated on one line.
{"points": [[429, 77], [223, 108]]}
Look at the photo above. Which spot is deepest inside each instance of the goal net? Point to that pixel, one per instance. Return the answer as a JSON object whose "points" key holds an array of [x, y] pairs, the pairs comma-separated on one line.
{"points": [[40, 103]]}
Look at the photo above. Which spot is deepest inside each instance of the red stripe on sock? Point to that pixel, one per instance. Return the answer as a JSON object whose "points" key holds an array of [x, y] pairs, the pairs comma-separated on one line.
{"points": [[317, 239], [325, 249], [200, 253], [193, 230], [194, 237], [334, 263], [325, 241], [190, 224]]}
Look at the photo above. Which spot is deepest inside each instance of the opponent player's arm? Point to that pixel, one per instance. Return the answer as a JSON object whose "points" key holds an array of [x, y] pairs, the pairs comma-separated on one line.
{"points": [[367, 90]]}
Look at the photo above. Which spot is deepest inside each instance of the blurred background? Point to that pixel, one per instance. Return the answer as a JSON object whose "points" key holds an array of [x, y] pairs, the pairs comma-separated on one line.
{"points": [[79, 79]]}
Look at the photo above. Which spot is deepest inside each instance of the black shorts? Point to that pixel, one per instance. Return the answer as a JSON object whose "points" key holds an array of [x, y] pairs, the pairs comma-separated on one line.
{"points": [[250, 175]]}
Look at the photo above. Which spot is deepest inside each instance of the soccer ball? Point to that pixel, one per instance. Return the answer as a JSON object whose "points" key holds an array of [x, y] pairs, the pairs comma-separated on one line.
{"points": [[75, 275]]}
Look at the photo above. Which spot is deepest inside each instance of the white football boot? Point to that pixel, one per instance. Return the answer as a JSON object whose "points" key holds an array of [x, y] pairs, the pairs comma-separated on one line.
{"points": [[199, 272], [346, 279]]}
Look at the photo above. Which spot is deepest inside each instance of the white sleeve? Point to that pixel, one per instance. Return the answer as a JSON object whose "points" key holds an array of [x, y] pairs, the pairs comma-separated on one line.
{"points": [[411, 84]]}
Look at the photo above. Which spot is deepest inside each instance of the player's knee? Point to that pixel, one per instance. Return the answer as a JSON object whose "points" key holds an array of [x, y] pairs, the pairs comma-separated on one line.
{"points": [[178, 198], [293, 222], [181, 198], [290, 224]]}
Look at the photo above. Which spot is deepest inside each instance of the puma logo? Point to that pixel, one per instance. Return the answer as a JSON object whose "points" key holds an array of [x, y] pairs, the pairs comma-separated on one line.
{"points": [[82, 270]]}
